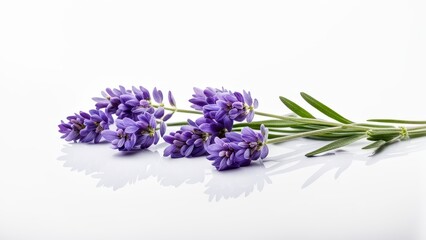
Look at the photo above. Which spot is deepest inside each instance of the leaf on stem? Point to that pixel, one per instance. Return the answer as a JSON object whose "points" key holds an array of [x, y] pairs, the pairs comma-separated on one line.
{"points": [[324, 109], [375, 144], [382, 147], [336, 144], [296, 108]]}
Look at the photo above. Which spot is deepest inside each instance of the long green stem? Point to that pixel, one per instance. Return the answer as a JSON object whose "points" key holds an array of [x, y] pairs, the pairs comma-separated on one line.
{"points": [[417, 128], [299, 120], [304, 134]]}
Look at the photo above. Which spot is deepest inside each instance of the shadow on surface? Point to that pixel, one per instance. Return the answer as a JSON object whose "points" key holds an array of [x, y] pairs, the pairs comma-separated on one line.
{"points": [[115, 169]]}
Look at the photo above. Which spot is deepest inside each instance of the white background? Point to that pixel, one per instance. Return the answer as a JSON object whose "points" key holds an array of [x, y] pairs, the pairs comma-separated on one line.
{"points": [[364, 58]]}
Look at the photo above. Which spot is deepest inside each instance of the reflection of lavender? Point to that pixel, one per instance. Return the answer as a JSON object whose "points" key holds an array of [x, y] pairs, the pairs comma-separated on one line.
{"points": [[242, 182], [118, 170]]}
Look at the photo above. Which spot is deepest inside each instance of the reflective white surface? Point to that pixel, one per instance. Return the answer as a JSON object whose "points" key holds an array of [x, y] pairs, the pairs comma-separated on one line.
{"points": [[365, 59]]}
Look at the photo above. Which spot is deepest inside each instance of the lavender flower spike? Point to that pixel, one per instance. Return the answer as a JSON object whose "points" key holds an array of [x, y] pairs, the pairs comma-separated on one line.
{"points": [[234, 106], [132, 135], [253, 144], [144, 129], [71, 130], [110, 99], [189, 141], [223, 152], [204, 97], [96, 122], [120, 140], [238, 149]]}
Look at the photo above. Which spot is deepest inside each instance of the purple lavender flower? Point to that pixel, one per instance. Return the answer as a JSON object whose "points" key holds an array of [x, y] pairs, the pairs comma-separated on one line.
{"points": [[134, 104], [213, 127], [144, 129], [110, 99], [120, 140], [96, 121], [189, 141], [132, 134], [253, 144], [232, 106], [204, 97], [223, 152], [72, 129], [238, 149], [130, 107]]}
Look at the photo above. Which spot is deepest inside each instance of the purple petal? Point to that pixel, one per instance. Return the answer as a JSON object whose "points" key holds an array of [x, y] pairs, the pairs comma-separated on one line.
{"points": [[220, 115], [126, 97], [109, 135], [84, 115], [250, 116], [189, 150], [247, 98], [73, 135], [239, 96], [237, 105], [264, 130], [222, 165], [233, 136], [264, 152], [98, 99], [98, 138], [159, 113], [145, 92], [152, 121], [171, 99], [169, 138], [121, 142], [167, 116], [248, 135], [120, 124], [158, 95], [131, 129], [129, 122], [228, 123], [214, 148], [163, 127], [247, 153], [133, 140], [128, 145], [133, 102], [255, 103], [156, 138], [168, 151]]}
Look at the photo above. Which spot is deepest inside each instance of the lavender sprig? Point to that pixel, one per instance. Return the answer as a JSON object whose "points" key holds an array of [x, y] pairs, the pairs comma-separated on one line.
{"points": [[225, 133]]}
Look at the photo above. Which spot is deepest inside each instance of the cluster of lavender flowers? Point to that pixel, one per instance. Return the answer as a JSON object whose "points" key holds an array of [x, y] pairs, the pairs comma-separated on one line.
{"points": [[212, 133], [135, 115], [139, 123]]}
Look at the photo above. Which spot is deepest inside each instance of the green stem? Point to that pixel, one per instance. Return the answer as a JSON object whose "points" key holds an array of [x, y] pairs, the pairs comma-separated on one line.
{"points": [[177, 124], [304, 134], [299, 120], [417, 128]]}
